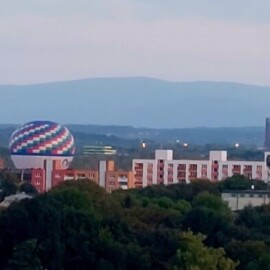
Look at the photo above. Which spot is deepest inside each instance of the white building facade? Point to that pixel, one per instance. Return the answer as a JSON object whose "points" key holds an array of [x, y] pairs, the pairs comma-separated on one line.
{"points": [[164, 170]]}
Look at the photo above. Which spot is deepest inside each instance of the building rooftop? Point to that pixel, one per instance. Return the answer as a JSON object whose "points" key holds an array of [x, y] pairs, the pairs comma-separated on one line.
{"points": [[14, 198], [249, 191]]}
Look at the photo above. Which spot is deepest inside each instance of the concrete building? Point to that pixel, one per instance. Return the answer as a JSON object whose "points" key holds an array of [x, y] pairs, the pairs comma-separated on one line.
{"points": [[107, 176], [237, 200], [111, 179], [267, 133], [2, 163], [98, 150], [163, 169], [59, 176]]}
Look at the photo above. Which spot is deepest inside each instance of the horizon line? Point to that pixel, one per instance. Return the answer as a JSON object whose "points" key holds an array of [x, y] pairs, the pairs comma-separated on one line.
{"points": [[128, 77]]}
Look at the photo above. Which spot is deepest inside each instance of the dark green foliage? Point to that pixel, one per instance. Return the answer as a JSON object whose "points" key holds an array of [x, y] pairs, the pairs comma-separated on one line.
{"points": [[27, 188], [239, 182], [179, 191], [11, 184], [193, 254], [247, 252], [77, 225], [8, 185], [25, 257]]}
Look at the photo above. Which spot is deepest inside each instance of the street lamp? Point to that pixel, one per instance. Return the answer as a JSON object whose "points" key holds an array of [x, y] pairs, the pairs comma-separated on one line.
{"points": [[237, 145]]}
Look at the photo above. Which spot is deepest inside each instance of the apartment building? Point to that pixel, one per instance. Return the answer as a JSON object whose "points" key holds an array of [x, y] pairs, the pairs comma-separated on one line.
{"points": [[163, 169], [59, 176], [111, 179], [2, 163], [37, 177], [107, 176]]}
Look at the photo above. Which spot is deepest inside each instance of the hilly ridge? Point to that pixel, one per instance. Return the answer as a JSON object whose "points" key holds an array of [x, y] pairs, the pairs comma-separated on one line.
{"points": [[139, 102]]}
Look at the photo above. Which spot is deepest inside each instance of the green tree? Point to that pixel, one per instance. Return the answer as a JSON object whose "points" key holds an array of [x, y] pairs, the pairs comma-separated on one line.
{"points": [[25, 257], [213, 202], [247, 252], [28, 188], [194, 255], [240, 182], [249, 217], [262, 263], [8, 184]]}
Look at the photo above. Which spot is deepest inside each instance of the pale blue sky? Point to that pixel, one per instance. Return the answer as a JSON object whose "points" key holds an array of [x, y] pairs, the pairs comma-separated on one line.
{"points": [[181, 40]]}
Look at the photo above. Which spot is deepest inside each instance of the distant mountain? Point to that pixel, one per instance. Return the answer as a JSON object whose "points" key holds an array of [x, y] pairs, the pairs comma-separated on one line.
{"points": [[244, 135], [139, 102]]}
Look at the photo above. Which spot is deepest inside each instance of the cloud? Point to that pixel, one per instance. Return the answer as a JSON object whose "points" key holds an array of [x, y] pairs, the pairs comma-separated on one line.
{"points": [[36, 48]]}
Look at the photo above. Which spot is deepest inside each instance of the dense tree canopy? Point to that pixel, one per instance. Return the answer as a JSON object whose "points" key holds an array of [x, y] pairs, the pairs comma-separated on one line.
{"points": [[77, 225]]}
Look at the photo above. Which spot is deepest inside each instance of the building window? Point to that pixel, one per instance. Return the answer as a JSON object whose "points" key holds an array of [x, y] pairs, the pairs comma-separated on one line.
{"points": [[138, 166], [181, 175], [193, 175], [193, 167], [181, 167]]}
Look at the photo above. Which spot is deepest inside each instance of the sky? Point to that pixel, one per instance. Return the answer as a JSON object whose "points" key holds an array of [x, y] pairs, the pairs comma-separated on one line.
{"points": [[177, 40]]}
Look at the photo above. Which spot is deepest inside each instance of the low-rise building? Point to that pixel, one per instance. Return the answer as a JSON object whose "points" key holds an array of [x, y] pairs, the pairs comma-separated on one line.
{"points": [[98, 150], [237, 200]]}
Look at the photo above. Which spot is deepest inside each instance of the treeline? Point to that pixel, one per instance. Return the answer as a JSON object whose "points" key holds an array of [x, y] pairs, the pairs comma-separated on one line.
{"points": [[181, 227]]}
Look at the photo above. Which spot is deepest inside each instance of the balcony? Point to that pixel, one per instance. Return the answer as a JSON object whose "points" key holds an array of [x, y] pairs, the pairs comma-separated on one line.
{"points": [[215, 166], [193, 167], [122, 179], [181, 167], [181, 174]]}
